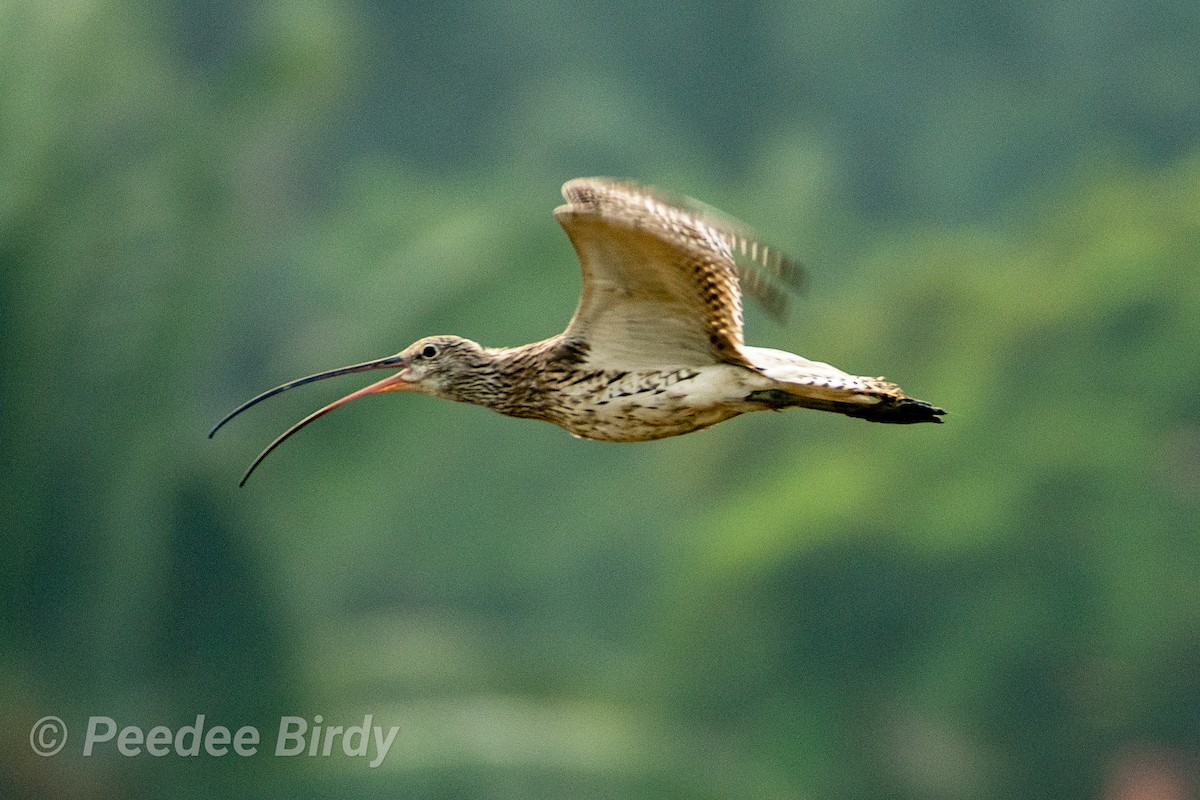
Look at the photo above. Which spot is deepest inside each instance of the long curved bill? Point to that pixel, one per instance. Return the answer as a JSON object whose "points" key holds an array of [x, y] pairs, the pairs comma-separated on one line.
{"points": [[392, 383]]}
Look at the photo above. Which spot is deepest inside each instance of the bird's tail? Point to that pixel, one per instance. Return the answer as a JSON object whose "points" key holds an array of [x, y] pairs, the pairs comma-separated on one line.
{"points": [[893, 406], [812, 384]]}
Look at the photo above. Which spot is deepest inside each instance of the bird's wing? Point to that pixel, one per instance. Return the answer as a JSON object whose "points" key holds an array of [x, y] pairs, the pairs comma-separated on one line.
{"points": [[660, 277]]}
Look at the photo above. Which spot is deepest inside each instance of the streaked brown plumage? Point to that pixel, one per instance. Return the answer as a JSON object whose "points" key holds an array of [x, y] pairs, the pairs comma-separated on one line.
{"points": [[655, 347]]}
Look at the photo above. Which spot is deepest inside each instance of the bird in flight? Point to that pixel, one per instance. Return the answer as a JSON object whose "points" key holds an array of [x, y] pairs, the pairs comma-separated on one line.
{"points": [[655, 347]]}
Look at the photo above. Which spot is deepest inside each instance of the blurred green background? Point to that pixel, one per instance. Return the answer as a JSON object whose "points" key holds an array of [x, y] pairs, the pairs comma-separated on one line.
{"points": [[1000, 208]]}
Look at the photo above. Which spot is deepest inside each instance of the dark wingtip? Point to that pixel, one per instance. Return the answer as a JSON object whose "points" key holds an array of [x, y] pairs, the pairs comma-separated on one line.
{"points": [[902, 411], [910, 410]]}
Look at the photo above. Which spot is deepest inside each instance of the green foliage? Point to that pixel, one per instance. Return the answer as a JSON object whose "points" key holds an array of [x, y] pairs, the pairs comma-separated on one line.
{"points": [[201, 201], [1018, 589]]}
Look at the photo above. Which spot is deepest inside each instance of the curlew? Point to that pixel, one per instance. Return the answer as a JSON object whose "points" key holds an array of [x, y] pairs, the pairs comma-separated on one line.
{"points": [[655, 346]]}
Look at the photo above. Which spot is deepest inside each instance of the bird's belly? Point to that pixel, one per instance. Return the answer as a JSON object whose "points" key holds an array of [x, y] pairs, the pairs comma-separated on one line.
{"points": [[634, 422], [642, 406]]}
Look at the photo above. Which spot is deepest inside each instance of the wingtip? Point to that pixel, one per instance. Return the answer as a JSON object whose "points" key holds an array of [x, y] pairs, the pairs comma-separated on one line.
{"points": [[921, 411], [903, 411], [584, 190]]}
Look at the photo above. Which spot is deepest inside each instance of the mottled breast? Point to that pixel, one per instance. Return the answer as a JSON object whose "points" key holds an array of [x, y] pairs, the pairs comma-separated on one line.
{"points": [[637, 406]]}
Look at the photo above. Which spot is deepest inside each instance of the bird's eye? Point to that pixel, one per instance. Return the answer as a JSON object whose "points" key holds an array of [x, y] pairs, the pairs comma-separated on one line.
{"points": [[429, 351]]}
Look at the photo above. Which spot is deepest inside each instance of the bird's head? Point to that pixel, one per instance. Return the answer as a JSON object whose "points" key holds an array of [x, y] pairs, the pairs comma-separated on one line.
{"points": [[442, 366], [439, 366]]}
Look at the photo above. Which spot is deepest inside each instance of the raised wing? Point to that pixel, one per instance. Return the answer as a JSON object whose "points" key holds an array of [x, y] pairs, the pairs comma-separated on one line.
{"points": [[660, 277]]}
